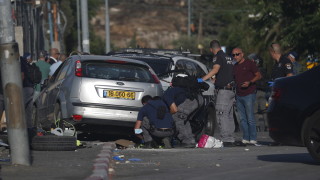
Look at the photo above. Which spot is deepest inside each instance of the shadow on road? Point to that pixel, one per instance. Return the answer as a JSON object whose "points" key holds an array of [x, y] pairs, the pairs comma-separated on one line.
{"points": [[105, 133], [290, 158]]}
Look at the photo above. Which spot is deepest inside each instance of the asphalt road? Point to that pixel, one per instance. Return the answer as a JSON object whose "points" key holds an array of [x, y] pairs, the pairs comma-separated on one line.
{"points": [[54, 165], [250, 162]]}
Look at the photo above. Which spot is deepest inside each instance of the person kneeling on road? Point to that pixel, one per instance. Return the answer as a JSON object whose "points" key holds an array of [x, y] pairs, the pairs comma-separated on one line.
{"points": [[182, 104], [154, 121]]}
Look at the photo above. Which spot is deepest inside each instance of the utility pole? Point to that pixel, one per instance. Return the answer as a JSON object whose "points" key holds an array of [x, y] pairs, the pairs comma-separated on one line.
{"points": [[189, 18], [200, 33], [55, 26], [50, 22], [78, 26], [12, 86], [85, 26], [107, 28]]}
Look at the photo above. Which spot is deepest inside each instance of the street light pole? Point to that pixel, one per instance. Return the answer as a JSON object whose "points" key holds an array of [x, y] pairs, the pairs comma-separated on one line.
{"points": [[189, 18], [12, 86], [107, 27], [78, 26], [85, 26]]}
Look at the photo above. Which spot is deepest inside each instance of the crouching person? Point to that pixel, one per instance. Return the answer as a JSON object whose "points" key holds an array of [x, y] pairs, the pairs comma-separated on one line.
{"points": [[154, 122], [183, 104]]}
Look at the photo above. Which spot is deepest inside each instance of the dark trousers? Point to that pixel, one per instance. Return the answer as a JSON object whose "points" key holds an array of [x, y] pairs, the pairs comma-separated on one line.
{"points": [[149, 132], [28, 103]]}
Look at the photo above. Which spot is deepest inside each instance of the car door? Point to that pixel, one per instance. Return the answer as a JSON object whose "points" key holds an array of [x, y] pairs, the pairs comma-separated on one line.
{"points": [[55, 87]]}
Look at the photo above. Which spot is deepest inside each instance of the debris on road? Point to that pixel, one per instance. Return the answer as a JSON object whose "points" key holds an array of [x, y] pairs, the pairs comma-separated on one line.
{"points": [[125, 143], [118, 158]]}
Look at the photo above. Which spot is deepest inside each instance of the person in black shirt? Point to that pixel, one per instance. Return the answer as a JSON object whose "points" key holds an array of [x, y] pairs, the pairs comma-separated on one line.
{"points": [[223, 72], [283, 66]]}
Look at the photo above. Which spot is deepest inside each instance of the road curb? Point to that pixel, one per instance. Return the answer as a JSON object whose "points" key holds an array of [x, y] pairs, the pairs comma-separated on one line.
{"points": [[101, 163]]}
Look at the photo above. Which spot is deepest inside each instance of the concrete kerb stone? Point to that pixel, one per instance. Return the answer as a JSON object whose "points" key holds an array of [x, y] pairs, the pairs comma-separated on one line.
{"points": [[102, 160], [101, 163]]}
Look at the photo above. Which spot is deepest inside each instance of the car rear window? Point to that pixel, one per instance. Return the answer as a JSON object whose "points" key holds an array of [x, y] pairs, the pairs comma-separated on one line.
{"points": [[117, 71], [160, 65]]}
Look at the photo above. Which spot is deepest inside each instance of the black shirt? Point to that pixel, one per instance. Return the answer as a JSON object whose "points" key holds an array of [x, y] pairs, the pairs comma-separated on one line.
{"points": [[225, 75], [281, 68], [150, 110], [26, 82], [52, 60], [175, 95]]}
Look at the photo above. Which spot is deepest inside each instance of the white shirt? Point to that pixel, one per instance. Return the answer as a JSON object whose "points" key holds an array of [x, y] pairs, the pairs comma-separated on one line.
{"points": [[54, 67]]}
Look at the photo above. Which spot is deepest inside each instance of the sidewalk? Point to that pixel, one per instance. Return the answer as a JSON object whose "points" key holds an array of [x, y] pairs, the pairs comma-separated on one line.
{"points": [[90, 162]]}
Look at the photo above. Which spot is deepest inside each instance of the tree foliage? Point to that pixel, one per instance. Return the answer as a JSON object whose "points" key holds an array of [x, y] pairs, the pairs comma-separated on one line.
{"points": [[71, 34], [254, 24]]}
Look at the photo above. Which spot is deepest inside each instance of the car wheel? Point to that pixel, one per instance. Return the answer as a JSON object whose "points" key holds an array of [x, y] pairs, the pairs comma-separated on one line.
{"points": [[211, 120], [311, 135], [208, 128], [54, 143]]}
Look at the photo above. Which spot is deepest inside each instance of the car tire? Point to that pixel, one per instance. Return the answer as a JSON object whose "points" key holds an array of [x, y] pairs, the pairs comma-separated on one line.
{"points": [[54, 143], [211, 121], [311, 135], [209, 127]]}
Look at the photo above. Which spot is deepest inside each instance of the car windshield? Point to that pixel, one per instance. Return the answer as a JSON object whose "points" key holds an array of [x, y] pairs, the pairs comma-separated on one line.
{"points": [[159, 64], [117, 71]]}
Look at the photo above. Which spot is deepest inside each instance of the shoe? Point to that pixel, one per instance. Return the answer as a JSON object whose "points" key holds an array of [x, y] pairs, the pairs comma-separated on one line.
{"points": [[228, 144], [188, 145], [253, 142], [245, 141], [167, 143]]}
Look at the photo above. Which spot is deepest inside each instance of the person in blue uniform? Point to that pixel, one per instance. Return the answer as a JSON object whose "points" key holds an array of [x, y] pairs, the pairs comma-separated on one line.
{"points": [[154, 121]]}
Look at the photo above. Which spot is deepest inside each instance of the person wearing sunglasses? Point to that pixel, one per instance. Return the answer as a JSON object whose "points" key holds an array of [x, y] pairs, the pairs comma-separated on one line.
{"points": [[283, 66], [246, 73], [225, 95]]}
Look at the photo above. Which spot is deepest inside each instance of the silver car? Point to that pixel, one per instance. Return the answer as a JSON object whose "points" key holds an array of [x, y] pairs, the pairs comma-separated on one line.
{"points": [[97, 90]]}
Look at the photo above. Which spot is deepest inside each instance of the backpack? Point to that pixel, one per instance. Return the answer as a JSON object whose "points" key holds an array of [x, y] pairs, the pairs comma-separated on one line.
{"points": [[190, 83], [34, 74]]}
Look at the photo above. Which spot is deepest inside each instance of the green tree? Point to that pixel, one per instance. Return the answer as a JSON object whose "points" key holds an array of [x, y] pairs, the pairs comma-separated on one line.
{"points": [[254, 24], [71, 36]]}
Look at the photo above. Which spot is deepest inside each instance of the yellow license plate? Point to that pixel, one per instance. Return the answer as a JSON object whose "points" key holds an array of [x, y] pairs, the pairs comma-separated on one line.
{"points": [[120, 94]]}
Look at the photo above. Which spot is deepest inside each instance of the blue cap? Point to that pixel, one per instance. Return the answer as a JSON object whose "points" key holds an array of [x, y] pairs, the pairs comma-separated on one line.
{"points": [[293, 54], [26, 56]]}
